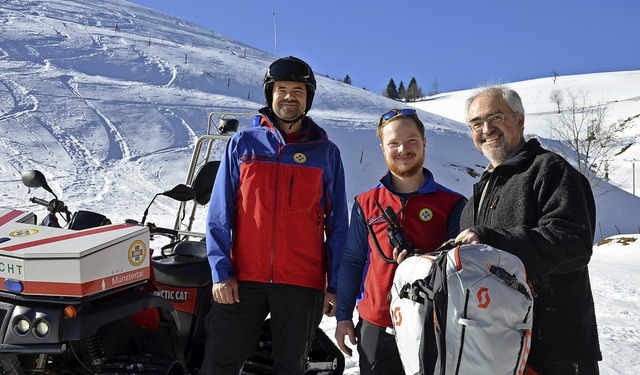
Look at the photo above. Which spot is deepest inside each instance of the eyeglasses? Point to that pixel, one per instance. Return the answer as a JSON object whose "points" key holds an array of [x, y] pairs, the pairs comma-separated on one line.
{"points": [[397, 112], [493, 120]]}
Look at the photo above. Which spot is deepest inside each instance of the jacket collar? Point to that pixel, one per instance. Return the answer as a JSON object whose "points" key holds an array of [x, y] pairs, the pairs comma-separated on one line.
{"points": [[428, 186], [310, 131], [524, 153]]}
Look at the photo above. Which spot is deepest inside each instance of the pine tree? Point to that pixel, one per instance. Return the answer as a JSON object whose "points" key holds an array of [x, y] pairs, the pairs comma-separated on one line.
{"points": [[347, 80], [391, 91], [413, 91], [402, 92]]}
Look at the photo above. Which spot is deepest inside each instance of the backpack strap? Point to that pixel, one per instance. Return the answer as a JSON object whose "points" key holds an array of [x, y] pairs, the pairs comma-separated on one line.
{"points": [[508, 278], [416, 291], [435, 280], [423, 289]]}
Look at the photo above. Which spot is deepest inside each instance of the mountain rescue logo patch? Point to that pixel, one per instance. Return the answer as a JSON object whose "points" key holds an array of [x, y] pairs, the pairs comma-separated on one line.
{"points": [[137, 253], [23, 232], [426, 214], [300, 158]]}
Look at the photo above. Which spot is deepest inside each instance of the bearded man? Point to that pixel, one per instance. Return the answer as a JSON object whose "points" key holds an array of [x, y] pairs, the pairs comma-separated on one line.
{"points": [[429, 214]]}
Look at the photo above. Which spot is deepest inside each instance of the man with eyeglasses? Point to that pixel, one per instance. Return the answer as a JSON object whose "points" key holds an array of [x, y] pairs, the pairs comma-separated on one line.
{"points": [[429, 214], [276, 229], [532, 203]]}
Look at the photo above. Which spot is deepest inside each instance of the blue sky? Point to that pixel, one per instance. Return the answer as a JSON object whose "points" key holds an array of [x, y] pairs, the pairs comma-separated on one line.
{"points": [[461, 44]]}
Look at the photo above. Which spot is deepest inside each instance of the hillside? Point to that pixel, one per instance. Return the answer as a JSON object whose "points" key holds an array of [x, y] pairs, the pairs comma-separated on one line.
{"points": [[107, 100]]}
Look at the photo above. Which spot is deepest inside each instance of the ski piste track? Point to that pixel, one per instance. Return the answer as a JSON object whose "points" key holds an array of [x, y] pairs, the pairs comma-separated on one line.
{"points": [[75, 156]]}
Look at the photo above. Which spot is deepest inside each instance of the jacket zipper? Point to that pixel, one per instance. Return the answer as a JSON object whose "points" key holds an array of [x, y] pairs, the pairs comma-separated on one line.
{"points": [[275, 215], [403, 217], [489, 201], [290, 190]]}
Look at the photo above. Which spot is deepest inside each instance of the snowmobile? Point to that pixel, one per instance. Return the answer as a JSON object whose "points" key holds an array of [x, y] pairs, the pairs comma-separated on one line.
{"points": [[92, 297]]}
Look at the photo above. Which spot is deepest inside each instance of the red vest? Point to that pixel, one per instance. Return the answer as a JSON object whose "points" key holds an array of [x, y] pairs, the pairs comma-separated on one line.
{"points": [[424, 220]]}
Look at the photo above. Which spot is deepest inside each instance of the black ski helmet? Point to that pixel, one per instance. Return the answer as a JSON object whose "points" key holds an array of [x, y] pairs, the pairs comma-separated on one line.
{"points": [[289, 69]]}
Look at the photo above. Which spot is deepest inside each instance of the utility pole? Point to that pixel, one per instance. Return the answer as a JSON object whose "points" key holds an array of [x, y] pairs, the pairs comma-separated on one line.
{"points": [[633, 173]]}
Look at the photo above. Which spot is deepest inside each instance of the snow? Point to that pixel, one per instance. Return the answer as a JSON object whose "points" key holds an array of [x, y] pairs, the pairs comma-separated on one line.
{"points": [[111, 118], [616, 289]]}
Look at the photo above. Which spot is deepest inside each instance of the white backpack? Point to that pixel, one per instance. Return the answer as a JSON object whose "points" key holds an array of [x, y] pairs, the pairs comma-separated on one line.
{"points": [[478, 311]]}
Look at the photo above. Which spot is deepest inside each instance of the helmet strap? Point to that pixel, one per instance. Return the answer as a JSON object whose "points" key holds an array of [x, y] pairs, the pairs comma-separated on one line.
{"points": [[290, 122]]}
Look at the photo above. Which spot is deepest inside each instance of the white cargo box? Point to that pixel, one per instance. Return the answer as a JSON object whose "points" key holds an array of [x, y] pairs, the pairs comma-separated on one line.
{"points": [[74, 263]]}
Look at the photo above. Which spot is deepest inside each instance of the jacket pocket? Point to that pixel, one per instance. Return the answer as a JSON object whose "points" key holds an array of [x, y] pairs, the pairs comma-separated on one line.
{"points": [[301, 189]]}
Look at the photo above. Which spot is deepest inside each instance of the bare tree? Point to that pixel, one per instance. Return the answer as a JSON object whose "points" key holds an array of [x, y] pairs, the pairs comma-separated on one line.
{"points": [[434, 88], [585, 134], [554, 75], [556, 97]]}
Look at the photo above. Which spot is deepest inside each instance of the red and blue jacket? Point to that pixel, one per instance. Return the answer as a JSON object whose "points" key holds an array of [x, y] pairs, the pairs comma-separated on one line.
{"points": [[428, 217], [278, 209]]}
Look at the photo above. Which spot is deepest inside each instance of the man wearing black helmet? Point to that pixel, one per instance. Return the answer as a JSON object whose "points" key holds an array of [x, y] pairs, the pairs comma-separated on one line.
{"points": [[293, 73], [276, 229]]}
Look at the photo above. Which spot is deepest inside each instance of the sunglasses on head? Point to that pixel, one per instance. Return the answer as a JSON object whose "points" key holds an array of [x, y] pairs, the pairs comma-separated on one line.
{"points": [[397, 112]]}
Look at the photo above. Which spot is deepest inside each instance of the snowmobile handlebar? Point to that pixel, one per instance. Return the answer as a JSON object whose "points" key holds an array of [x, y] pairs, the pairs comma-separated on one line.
{"points": [[40, 201], [159, 230], [52, 206]]}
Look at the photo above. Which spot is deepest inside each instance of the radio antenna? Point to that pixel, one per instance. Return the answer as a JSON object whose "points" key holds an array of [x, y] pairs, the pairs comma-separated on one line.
{"points": [[275, 36]]}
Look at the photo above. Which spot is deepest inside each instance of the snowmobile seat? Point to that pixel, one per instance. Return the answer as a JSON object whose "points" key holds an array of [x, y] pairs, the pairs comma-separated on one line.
{"points": [[196, 249], [186, 267]]}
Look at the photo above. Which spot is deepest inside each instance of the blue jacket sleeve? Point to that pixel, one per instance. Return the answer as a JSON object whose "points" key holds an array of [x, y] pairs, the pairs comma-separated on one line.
{"points": [[337, 221], [221, 215], [353, 267]]}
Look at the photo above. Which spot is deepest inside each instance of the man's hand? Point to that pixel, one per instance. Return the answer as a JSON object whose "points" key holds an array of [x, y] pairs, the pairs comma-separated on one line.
{"points": [[343, 329], [226, 291], [467, 236], [329, 307], [399, 256]]}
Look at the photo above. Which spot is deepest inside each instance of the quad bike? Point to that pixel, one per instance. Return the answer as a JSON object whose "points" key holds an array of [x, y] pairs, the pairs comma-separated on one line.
{"points": [[88, 297]]}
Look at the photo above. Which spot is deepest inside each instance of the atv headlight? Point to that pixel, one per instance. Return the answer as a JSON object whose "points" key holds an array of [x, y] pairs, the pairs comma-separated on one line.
{"points": [[41, 329], [33, 325], [22, 326]]}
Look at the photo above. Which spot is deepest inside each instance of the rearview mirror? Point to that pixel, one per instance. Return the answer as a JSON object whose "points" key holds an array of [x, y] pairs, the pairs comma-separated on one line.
{"points": [[35, 179]]}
